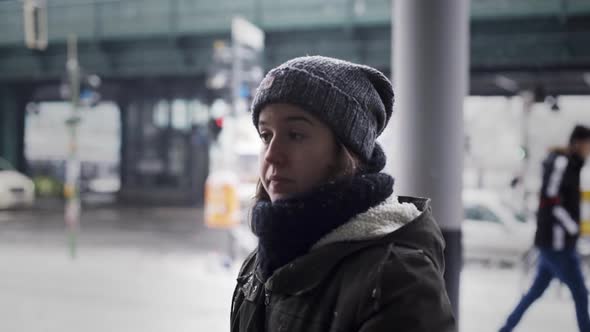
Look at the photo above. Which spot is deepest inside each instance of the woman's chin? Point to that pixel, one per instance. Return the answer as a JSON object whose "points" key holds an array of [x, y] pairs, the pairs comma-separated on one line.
{"points": [[278, 197]]}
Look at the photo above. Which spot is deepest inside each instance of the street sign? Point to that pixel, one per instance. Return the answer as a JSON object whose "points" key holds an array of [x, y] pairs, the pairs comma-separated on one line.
{"points": [[246, 33], [35, 24]]}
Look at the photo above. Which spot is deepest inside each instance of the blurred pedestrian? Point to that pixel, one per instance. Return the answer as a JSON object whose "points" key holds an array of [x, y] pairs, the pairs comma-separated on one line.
{"points": [[558, 228], [338, 250]]}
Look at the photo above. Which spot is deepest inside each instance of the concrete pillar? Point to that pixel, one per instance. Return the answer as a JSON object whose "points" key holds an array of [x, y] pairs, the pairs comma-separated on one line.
{"points": [[431, 67]]}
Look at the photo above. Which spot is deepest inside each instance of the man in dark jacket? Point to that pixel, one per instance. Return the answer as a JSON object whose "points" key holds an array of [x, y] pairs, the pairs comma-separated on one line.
{"points": [[558, 224]]}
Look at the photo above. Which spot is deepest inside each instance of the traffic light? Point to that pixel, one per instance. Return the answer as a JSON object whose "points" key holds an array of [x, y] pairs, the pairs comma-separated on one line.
{"points": [[89, 90], [215, 126]]}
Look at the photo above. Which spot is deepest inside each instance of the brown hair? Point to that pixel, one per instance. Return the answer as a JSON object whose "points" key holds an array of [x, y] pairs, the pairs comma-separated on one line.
{"points": [[348, 164]]}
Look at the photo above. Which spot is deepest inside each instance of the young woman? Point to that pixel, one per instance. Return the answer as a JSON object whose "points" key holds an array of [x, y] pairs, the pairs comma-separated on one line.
{"points": [[338, 251]]}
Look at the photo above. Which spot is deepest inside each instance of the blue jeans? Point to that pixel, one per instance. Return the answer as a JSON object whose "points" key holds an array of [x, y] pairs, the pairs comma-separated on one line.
{"points": [[564, 265]]}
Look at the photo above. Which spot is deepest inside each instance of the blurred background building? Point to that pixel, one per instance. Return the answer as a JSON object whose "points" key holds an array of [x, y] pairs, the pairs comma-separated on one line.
{"points": [[164, 92], [162, 65]]}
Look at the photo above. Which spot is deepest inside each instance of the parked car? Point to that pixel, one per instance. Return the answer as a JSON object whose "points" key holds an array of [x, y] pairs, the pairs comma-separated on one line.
{"points": [[491, 230], [16, 189]]}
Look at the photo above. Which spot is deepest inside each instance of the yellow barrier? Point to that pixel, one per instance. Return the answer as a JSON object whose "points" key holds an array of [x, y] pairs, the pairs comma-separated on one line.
{"points": [[222, 203]]}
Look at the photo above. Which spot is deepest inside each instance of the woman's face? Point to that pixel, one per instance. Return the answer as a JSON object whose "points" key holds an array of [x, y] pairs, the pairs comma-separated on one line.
{"points": [[298, 151]]}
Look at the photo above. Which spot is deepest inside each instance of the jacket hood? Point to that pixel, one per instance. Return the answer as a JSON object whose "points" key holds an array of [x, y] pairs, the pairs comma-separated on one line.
{"points": [[378, 221], [406, 221]]}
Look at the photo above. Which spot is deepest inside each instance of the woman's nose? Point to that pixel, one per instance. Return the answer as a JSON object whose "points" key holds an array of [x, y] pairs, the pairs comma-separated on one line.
{"points": [[275, 153]]}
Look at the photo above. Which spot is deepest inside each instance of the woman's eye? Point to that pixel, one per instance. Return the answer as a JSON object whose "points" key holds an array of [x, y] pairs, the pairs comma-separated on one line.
{"points": [[265, 137], [296, 136]]}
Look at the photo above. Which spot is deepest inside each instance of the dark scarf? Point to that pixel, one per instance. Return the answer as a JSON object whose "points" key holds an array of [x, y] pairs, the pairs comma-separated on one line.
{"points": [[287, 229]]}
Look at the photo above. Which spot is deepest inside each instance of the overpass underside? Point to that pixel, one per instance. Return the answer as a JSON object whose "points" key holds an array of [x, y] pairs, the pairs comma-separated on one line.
{"points": [[150, 54]]}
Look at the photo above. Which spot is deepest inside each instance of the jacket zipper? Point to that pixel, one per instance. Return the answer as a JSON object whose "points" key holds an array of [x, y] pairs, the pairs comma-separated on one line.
{"points": [[266, 296]]}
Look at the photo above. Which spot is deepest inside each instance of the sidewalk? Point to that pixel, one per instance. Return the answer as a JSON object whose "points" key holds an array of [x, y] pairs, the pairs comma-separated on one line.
{"points": [[489, 294], [151, 259], [160, 228]]}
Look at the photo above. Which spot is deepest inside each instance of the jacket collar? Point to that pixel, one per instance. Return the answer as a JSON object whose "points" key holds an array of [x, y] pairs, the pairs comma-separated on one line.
{"points": [[379, 220], [577, 160]]}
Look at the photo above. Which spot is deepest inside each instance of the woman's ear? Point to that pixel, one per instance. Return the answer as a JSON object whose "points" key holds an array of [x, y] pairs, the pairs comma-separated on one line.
{"points": [[346, 164]]}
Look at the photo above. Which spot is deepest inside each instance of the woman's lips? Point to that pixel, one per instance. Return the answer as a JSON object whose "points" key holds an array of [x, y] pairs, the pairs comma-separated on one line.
{"points": [[276, 178], [279, 183]]}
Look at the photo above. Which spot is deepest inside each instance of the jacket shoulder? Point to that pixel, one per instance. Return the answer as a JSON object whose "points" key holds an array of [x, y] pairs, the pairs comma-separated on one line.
{"points": [[397, 285], [248, 265]]}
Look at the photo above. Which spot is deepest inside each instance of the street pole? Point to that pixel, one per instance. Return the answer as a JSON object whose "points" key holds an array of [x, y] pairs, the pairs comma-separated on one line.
{"points": [[71, 185], [528, 100]]}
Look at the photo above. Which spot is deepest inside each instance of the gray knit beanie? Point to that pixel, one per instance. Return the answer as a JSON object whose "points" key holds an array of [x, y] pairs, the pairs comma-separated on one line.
{"points": [[355, 101]]}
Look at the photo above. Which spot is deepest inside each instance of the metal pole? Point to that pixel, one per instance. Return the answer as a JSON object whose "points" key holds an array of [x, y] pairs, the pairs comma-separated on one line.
{"points": [[527, 105], [431, 68], [71, 186]]}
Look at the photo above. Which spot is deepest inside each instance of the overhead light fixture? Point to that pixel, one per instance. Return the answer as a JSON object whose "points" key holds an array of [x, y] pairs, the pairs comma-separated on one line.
{"points": [[360, 7]]}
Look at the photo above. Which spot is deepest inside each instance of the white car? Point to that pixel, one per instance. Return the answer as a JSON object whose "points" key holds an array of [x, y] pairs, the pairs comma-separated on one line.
{"points": [[491, 230], [16, 189]]}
